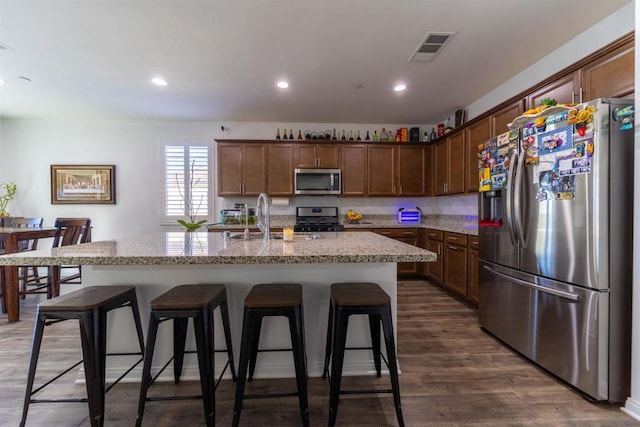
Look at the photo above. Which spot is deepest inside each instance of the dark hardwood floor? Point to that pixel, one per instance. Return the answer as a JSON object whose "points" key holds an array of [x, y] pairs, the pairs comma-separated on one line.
{"points": [[453, 374]]}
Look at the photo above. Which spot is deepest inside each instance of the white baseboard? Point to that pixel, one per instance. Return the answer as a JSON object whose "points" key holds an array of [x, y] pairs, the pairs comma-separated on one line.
{"points": [[632, 408]]}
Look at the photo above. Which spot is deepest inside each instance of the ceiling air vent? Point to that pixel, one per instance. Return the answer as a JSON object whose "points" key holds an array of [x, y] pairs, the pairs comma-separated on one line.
{"points": [[430, 46]]}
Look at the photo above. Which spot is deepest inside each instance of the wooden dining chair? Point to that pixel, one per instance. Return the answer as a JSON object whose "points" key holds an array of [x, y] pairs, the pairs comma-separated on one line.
{"points": [[28, 274], [70, 231]]}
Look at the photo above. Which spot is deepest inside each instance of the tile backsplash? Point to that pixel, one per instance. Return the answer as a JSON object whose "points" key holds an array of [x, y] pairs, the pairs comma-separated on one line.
{"points": [[466, 204]]}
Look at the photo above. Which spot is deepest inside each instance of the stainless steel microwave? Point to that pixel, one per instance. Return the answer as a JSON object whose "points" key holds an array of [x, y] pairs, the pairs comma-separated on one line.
{"points": [[318, 181]]}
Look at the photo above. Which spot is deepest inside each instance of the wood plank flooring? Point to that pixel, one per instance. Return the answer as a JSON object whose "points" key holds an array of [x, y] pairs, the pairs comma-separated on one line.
{"points": [[453, 374]]}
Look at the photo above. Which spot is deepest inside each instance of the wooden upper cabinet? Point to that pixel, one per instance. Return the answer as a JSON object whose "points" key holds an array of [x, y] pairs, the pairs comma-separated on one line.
{"points": [[564, 90], [430, 175], [450, 165], [456, 178], [441, 159], [326, 156], [611, 76], [411, 171], [475, 134], [381, 170], [280, 172], [354, 170], [501, 118], [242, 169]]}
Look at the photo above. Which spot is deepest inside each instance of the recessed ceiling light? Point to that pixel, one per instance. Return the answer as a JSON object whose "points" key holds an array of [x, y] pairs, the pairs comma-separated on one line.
{"points": [[159, 81], [399, 87], [282, 84], [1, 82]]}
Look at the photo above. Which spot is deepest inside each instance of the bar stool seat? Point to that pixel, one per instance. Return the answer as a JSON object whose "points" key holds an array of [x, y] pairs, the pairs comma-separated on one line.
{"points": [[272, 299], [180, 303], [89, 306], [359, 298]]}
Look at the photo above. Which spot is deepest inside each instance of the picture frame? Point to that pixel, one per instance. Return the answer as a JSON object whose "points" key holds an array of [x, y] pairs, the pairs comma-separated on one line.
{"points": [[83, 184]]}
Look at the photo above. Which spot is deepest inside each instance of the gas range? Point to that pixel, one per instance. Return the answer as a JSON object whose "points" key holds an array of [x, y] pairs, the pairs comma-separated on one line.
{"points": [[317, 219]]}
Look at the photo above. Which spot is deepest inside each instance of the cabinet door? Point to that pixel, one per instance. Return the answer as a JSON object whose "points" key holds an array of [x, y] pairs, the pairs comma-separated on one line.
{"points": [[501, 118], [229, 169], [475, 135], [381, 173], [455, 269], [565, 90], [611, 76], [254, 169], [434, 269], [408, 268], [456, 164], [280, 176], [441, 159], [354, 170], [305, 156], [328, 156], [411, 171], [473, 270], [430, 175]]}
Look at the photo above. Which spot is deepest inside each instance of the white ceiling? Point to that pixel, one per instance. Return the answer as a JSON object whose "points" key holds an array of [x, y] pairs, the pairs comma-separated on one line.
{"points": [[93, 58]]}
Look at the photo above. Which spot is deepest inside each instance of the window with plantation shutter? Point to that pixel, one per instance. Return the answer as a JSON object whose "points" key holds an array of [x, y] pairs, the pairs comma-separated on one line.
{"points": [[187, 180]]}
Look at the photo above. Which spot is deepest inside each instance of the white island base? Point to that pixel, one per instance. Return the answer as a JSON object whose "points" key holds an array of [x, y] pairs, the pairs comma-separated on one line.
{"points": [[153, 280]]}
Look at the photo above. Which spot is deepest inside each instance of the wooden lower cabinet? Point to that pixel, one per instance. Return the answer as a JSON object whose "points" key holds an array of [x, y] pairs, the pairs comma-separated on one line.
{"points": [[406, 235], [433, 242], [473, 266], [455, 263]]}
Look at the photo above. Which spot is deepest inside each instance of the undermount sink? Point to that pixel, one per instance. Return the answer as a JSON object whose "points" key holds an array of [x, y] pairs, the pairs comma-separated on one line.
{"points": [[254, 236]]}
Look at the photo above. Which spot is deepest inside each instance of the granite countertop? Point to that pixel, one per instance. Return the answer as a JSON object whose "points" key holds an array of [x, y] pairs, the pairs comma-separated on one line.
{"points": [[453, 223], [175, 248]]}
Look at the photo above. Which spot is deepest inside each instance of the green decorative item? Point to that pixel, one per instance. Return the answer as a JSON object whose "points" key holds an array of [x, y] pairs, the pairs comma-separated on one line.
{"points": [[190, 208], [9, 190]]}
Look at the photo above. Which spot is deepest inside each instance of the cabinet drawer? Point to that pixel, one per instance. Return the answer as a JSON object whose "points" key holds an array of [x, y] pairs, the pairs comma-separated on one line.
{"points": [[435, 235], [455, 239], [398, 232], [474, 243]]}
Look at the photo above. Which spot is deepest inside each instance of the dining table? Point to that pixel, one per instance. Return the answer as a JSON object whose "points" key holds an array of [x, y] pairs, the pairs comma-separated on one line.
{"points": [[11, 236]]}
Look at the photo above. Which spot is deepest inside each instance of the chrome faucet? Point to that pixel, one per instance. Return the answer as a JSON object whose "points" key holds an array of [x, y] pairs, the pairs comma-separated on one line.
{"points": [[263, 215]]}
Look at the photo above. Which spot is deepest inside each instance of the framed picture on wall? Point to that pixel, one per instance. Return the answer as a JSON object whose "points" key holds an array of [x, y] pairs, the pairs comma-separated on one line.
{"points": [[83, 184]]}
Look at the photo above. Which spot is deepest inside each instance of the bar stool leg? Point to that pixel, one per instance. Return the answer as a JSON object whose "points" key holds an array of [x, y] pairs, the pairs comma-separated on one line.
{"points": [[136, 320], [91, 369], [374, 327], [248, 327], [204, 344], [179, 340], [339, 343], [297, 343], [255, 343], [146, 370], [38, 331], [226, 324], [327, 350], [389, 342]]}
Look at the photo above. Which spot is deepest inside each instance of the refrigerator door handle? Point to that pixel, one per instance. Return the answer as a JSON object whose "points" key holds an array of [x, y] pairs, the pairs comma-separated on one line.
{"points": [[509, 199], [556, 292], [518, 211]]}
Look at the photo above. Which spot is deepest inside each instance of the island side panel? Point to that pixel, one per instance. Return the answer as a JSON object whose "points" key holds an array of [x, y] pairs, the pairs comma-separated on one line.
{"points": [[151, 281]]}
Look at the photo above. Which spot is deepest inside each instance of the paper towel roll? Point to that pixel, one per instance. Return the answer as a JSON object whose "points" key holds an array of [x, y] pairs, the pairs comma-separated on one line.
{"points": [[279, 201]]}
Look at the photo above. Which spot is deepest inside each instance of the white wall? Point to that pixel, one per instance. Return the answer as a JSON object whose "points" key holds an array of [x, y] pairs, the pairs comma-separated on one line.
{"points": [[29, 147], [604, 32]]}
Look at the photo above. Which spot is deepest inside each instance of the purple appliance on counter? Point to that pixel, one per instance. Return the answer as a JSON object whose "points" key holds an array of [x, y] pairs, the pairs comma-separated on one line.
{"points": [[556, 216]]}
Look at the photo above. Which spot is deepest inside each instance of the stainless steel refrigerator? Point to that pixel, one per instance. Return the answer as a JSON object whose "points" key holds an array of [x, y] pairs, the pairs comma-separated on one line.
{"points": [[556, 242]]}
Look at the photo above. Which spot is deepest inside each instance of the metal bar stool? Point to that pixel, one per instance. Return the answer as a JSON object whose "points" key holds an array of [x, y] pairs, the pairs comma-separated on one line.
{"points": [[89, 306], [359, 298], [273, 299], [179, 304]]}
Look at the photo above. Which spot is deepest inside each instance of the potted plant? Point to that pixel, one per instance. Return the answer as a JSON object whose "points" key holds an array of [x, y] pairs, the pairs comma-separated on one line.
{"points": [[191, 208], [9, 190]]}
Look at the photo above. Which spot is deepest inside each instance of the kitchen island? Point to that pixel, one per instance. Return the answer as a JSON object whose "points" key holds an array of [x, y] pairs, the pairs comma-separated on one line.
{"points": [[155, 263]]}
